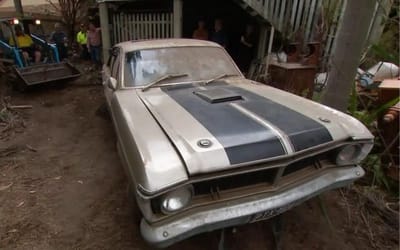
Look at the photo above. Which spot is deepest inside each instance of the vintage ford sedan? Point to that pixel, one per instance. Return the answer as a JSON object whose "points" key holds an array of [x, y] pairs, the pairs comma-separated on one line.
{"points": [[204, 148]]}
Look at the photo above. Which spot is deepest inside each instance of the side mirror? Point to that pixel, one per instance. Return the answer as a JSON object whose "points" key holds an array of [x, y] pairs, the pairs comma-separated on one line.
{"points": [[112, 83]]}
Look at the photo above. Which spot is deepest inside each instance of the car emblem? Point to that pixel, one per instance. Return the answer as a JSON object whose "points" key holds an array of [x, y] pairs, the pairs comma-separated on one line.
{"points": [[324, 119], [204, 143]]}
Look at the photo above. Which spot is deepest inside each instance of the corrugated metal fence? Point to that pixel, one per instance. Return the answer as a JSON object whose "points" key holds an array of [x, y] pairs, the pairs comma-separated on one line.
{"points": [[137, 26]]}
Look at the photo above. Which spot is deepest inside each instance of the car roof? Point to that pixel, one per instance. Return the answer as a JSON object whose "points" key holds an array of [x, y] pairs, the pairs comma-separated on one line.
{"points": [[164, 43]]}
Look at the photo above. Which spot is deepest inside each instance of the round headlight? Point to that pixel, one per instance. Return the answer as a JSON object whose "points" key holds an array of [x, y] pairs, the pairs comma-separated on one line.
{"points": [[353, 153], [176, 200]]}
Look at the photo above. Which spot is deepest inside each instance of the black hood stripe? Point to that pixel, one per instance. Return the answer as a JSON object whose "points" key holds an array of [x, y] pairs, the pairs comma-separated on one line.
{"points": [[242, 138], [302, 131]]}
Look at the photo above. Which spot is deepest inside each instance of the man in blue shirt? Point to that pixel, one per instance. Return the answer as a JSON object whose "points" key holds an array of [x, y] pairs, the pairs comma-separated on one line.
{"points": [[60, 39]]}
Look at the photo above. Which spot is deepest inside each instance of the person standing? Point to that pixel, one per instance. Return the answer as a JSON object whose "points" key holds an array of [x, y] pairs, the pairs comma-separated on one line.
{"points": [[201, 31], [246, 48], [219, 36], [81, 39], [94, 43], [60, 39]]}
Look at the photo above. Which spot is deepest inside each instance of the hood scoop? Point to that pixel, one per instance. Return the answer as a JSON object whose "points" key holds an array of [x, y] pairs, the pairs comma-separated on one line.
{"points": [[218, 95]]}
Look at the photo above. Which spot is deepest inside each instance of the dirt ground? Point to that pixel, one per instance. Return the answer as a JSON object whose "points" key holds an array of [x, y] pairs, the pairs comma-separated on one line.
{"points": [[62, 187]]}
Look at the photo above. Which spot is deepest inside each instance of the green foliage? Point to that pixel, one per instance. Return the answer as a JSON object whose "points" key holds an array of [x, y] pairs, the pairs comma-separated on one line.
{"points": [[387, 55], [329, 8], [367, 116], [372, 164], [387, 48]]}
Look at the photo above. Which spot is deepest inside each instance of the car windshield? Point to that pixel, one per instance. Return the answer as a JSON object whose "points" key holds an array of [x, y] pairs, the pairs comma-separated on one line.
{"points": [[195, 63]]}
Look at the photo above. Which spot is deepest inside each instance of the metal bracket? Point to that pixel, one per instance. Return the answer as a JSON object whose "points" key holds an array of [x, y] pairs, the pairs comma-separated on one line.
{"points": [[221, 243], [277, 229]]}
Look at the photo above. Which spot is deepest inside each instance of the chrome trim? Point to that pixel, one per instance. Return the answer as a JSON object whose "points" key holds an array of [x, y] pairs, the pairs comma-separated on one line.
{"points": [[165, 233]]}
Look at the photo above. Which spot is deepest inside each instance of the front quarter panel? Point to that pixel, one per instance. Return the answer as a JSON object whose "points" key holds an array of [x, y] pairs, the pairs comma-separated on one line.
{"points": [[151, 161]]}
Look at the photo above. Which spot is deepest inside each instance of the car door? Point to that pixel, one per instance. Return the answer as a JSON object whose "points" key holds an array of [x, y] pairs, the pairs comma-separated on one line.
{"points": [[111, 70]]}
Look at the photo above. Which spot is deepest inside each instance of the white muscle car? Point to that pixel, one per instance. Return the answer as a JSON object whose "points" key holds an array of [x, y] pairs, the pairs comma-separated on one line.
{"points": [[204, 148]]}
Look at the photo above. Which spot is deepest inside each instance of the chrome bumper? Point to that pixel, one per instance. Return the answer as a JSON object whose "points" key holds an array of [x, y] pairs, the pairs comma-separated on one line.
{"points": [[239, 212]]}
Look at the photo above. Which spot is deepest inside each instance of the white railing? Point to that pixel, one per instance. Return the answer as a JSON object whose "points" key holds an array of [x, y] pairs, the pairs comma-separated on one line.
{"points": [[292, 16], [138, 26], [288, 16]]}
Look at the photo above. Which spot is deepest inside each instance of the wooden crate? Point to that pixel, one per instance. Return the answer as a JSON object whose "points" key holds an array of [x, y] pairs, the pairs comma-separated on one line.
{"points": [[295, 78]]}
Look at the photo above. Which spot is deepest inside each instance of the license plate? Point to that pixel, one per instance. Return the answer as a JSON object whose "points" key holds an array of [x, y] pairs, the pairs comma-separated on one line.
{"points": [[271, 213]]}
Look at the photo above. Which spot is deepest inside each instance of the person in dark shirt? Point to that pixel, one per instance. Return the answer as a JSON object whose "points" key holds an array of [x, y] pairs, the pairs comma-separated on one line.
{"points": [[246, 48], [219, 36], [60, 39]]}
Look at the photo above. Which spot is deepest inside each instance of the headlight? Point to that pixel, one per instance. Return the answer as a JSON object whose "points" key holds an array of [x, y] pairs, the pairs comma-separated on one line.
{"points": [[353, 153], [176, 200]]}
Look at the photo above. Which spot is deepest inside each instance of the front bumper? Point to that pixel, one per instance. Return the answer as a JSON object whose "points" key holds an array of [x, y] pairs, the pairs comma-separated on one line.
{"points": [[238, 212]]}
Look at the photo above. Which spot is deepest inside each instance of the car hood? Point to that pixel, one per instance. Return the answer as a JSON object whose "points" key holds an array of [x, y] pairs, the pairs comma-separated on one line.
{"points": [[230, 124]]}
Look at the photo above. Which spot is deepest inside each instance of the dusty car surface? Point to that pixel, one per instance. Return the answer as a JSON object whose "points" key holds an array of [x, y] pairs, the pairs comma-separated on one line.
{"points": [[204, 148]]}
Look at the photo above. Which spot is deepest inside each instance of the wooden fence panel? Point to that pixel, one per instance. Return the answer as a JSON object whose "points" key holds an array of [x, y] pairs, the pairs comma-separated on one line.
{"points": [[138, 26]]}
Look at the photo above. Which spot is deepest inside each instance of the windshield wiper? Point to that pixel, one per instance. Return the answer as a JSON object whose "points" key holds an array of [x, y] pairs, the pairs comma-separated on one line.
{"points": [[218, 78], [164, 77]]}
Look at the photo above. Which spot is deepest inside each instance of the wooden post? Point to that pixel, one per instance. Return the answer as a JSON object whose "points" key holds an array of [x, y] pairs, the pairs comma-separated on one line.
{"points": [[177, 18], [270, 42], [262, 41], [18, 8], [379, 21], [105, 30], [345, 58]]}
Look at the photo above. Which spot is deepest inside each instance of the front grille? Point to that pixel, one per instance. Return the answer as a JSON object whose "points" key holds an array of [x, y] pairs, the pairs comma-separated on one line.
{"points": [[266, 176], [207, 192], [297, 166]]}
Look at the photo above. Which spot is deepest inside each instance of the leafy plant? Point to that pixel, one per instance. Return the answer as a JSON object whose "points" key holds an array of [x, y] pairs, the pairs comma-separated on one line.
{"points": [[378, 50], [367, 116], [372, 163]]}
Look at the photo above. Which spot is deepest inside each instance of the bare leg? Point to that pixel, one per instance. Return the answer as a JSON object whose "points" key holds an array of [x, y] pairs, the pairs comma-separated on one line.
{"points": [[37, 56], [26, 57]]}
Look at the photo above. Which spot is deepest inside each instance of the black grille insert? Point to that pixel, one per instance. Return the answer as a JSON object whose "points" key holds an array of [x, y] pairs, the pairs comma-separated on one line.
{"points": [[266, 176], [299, 165]]}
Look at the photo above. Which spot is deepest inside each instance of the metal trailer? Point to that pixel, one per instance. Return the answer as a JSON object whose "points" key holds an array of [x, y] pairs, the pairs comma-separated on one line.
{"points": [[49, 70]]}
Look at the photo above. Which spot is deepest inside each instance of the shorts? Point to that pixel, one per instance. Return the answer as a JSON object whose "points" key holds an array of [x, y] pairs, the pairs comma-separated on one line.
{"points": [[29, 50]]}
